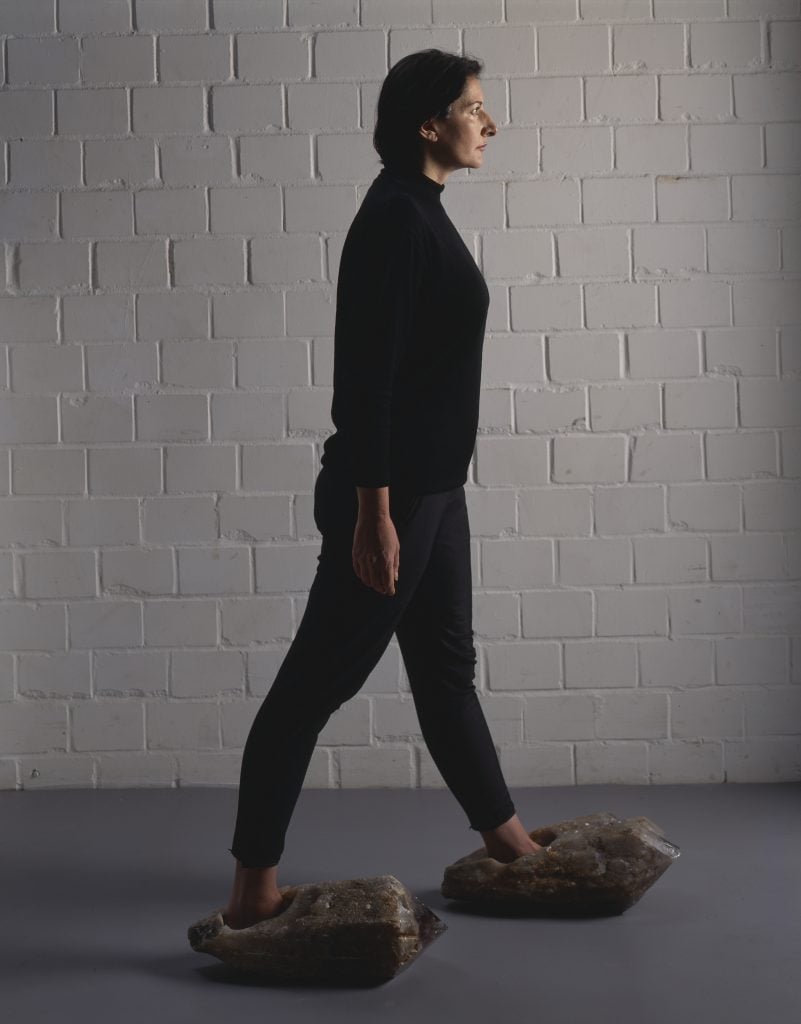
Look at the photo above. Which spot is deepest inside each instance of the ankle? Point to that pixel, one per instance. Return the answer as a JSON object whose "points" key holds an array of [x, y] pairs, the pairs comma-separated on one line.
{"points": [[256, 876], [509, 838], [508, 832], [254, 885]]}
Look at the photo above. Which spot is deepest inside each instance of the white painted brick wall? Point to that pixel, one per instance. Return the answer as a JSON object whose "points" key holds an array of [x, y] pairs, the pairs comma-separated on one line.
{"points": [[176, 183]]}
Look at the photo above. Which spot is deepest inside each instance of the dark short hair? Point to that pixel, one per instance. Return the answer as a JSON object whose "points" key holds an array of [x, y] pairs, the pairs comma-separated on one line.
{"points": [[419, 86]]}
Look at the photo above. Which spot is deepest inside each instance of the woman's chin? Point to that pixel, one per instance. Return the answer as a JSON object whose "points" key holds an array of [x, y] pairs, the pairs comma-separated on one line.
{"points": [[474, 161]]}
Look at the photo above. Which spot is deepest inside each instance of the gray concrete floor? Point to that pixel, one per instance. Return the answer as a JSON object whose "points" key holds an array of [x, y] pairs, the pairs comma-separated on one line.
{"points": [[99, 887]]}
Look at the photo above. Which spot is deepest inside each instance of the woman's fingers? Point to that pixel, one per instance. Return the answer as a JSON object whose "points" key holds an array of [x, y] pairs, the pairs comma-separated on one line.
{"points": [[375, 557], [374, 575], [377, 574], [380, 576], [389, 576]]}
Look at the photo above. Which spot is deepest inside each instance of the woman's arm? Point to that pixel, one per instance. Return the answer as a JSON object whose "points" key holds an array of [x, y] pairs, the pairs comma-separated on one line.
{"points": [[378, 292], [377, 296]]}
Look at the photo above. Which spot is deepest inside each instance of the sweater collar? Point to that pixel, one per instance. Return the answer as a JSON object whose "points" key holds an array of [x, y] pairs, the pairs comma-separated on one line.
{"points": [[416, 182]]}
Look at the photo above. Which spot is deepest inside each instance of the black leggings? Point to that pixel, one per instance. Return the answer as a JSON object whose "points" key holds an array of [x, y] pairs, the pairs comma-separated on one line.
{"points": [[345, 629]]}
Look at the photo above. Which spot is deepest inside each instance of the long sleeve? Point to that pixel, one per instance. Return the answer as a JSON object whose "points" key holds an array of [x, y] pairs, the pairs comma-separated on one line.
{"points": [[381, 272], [410, 318]]}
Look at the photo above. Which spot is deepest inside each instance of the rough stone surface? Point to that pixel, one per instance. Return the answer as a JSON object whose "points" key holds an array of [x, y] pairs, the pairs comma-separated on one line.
{"points": [[594, 865], [360, 930]]}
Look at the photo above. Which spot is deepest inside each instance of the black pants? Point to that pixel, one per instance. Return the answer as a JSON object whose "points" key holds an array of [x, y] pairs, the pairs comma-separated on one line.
{"points": [[345, 629]]}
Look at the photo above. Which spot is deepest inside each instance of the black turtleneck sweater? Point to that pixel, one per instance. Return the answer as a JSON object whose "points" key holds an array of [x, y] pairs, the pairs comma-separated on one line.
{"points": [[410, 318]]}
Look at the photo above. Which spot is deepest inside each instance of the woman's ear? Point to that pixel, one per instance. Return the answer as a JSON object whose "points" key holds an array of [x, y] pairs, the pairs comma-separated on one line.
{"points": [[427, 131]]}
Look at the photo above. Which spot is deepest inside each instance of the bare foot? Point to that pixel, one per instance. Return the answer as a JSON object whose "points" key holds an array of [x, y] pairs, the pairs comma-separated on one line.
{"points": [[243, 917], [255, 896], [506, 854], [509, 841]]}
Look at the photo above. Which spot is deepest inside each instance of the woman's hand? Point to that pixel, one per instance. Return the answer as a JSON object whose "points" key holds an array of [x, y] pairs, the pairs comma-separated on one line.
{"points": [[376, 551]]}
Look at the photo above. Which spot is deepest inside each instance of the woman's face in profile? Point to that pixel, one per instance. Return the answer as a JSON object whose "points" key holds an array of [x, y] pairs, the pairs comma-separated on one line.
{"points": [[469, 127]]}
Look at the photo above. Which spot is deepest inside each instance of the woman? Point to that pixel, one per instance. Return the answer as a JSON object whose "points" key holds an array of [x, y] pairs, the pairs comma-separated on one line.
{"points": [[410, 319]]}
